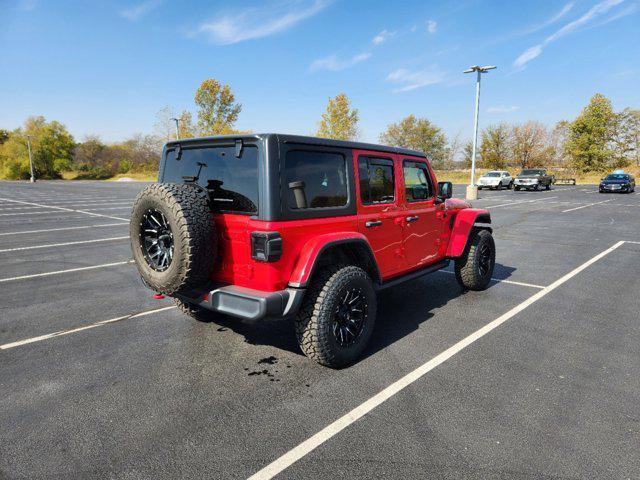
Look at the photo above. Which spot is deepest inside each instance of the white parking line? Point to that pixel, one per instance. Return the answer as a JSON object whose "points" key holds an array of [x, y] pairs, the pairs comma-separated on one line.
{"points": [[61, 333], [519, 203], [58, 272], [51, 245], [66, 209], [63, 228], [92, 209], [499, 280], [25, 213], [585, 206], [361, 410]]}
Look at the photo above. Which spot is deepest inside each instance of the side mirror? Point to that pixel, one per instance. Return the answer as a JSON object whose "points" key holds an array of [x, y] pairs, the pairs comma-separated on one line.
{"points": [[445, 190]]}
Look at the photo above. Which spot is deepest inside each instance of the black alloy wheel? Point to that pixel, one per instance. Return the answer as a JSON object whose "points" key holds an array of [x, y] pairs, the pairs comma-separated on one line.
{"points": [[156, 240], [349, 316], [485, 257]]}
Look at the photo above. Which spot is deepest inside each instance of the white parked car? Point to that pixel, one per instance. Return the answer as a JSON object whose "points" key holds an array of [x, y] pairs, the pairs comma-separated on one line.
{"points": [[495, 179]]}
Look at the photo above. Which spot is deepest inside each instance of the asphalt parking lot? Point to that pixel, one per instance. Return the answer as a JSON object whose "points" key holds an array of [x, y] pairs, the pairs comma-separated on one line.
{"points": [[536, 377]]}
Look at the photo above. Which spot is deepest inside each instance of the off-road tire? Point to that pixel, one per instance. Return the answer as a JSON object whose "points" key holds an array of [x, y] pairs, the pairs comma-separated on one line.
{"points": [[195, 311], [467, 267], [186, 209], [510, 186], [516, 188], [314, 320]]}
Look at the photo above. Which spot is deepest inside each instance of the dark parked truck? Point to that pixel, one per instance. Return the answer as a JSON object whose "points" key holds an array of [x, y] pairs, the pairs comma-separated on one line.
{"points": [[533, 179], [286, 226]]}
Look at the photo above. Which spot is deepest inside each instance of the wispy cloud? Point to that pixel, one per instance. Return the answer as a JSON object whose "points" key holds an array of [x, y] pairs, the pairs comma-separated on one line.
{"points": [[260, 22], [432, 26], [502, 109], [334, 64], [409, 80], [134, 12], [592, 14], [382, 37], [555, 18]]}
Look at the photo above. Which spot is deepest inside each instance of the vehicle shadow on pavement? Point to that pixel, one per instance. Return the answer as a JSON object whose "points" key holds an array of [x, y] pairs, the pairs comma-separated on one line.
{"points": [[401, 310]]}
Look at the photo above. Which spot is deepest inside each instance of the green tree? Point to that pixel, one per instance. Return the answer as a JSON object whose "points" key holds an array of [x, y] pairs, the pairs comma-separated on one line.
{"points": [[589, 137], [4, 135], [218, 110], [418, 134], [495, 146], [51, 146], [339, 121]]}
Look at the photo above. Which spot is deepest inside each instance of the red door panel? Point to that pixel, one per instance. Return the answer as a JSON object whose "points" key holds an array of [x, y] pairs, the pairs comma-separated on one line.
{"points": [[423, 222], [380, 218]]}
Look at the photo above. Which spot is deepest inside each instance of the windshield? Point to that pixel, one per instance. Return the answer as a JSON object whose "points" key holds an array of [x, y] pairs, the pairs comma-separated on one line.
{"points": [[617, 176], [232, 182], [492, 174], [532, 172]]}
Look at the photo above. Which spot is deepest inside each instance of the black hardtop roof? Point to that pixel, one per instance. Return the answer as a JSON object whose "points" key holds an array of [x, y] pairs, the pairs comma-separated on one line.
{"points": [[300, 139]]}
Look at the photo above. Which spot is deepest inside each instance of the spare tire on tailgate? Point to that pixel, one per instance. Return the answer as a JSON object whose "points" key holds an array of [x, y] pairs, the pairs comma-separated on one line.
{"points": [[173, 237]]}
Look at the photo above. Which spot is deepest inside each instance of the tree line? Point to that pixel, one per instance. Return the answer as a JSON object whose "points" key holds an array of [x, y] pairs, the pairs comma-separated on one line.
{"points": [[599, 139]]}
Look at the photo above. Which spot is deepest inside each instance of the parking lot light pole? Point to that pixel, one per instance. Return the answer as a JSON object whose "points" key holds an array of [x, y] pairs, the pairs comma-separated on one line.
{"points": [[33, 177], [177, 129], [472, 189]]}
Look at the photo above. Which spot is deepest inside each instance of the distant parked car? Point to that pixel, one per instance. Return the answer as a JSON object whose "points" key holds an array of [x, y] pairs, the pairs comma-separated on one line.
{"points": [[495, 179], [533, 179], [618, 181]]}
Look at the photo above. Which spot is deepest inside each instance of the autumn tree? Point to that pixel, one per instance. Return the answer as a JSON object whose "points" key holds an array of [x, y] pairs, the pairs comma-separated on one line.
{"points": [[467, 154], [530, 147], [495, 146], [339, 121], [626, 138], [186, 128], [590, 134], [418, 134], [218, 110]]}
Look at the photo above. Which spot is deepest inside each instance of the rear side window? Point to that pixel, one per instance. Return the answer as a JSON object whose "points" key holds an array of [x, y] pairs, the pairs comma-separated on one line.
{"points": [[315, 179], [232, 182], [417, 181], [376, 180]]}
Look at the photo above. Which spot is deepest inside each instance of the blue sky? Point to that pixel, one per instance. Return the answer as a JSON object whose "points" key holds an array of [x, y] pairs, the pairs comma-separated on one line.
{"points": [[107, 67]]}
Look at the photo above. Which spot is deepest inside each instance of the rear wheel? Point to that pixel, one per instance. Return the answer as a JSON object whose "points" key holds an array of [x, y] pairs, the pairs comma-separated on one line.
{"points": [[516, 188], [510, 186], [336, 319], [475, 267], [548, 187]]}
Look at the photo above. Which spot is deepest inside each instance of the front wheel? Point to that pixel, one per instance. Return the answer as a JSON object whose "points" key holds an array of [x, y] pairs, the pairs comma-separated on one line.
{"points": [[336, 319], [516, 188], [475, 267]]}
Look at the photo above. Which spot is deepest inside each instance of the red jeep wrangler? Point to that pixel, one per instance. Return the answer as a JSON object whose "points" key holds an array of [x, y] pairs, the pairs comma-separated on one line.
{"points": [[281, 225]]}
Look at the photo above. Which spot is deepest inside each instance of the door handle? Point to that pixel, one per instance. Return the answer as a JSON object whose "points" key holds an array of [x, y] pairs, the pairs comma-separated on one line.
{"points": [[412, 219], [373, 223]]}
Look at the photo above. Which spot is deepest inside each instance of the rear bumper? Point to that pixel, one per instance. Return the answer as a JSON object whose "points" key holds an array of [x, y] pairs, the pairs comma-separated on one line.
{"points": [[247, 303]]}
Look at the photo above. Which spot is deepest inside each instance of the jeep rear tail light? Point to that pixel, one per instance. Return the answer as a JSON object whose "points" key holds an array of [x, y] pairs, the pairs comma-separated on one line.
{"points": [[266, 246]]}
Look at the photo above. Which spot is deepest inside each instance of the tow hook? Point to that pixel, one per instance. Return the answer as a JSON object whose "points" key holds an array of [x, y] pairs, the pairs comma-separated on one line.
{"points": [[158, 296]]}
